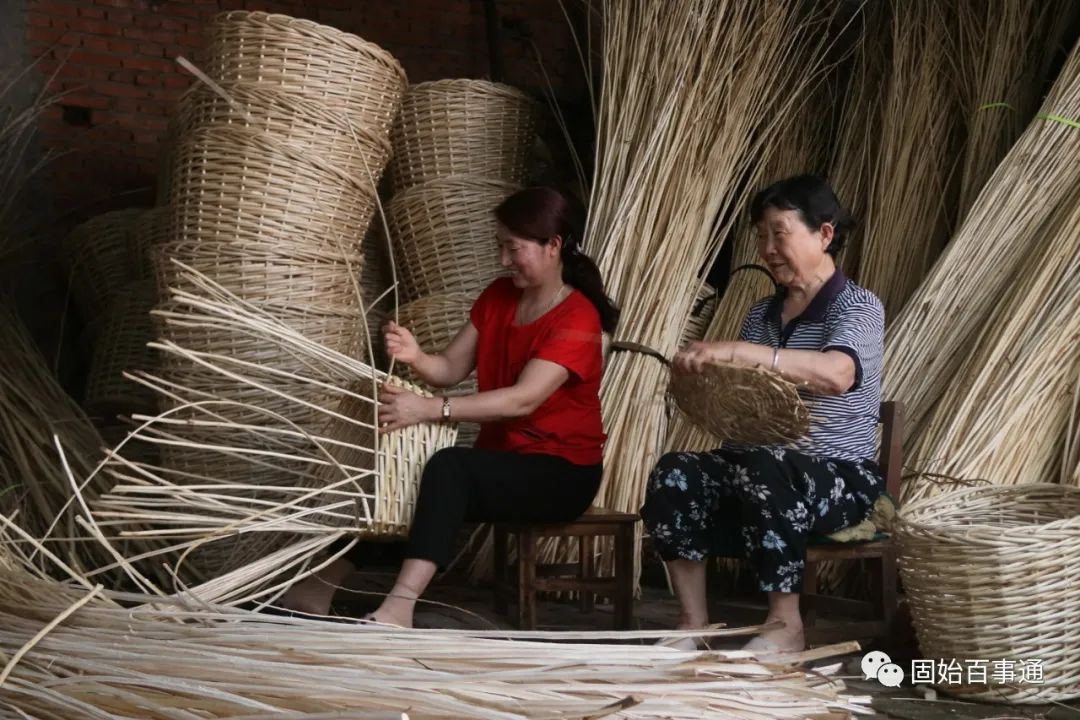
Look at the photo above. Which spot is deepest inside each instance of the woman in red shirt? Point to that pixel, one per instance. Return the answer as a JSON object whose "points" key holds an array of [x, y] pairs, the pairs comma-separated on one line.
{"points": [[534, 339]]}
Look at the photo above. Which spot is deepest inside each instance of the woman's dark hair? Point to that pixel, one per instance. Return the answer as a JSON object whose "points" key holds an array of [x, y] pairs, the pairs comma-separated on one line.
{"points": [[815, 201], [541, 213]]}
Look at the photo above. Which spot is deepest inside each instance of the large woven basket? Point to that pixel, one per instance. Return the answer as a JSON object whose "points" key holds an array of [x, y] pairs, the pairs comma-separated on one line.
{"points": [[98, 253], [149, 232], [317, 280], [992, 575], [238, 185], [304, 123], [120, 346], [443, 234], [306, 59], [741, 405], [462, 127]]}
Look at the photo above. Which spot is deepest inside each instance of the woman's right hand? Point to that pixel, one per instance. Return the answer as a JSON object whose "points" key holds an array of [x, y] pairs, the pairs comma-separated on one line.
{"points": [[401, 345]]}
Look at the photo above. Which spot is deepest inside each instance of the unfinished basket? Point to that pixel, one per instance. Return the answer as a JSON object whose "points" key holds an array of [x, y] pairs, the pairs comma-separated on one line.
{"points": [[97, 253], [308, 60], [305, 123], [120, 346], [238, 185], [741, 405], [443, 234], [462, 127], [991, 575]]}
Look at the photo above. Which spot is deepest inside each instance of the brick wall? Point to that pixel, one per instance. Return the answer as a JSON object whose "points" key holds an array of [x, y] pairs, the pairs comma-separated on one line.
{"points": [[114, 60]]}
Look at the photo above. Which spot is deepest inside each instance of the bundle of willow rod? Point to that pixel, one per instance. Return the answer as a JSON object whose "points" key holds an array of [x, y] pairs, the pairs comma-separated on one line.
{"points": [[181, 661], [1003, 50], [255, 476], [1004, 417], [855, 150], [1070, 457], [682, 120], [932, 336], [798, 147], [906, 216], [34, 408]]}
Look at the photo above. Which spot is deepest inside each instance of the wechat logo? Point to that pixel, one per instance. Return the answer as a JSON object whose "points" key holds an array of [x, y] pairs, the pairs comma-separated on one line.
{"points": [[877, 665]]}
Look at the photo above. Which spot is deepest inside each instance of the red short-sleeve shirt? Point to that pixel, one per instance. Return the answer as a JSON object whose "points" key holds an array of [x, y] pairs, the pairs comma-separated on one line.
{"points": [[568, 424]]}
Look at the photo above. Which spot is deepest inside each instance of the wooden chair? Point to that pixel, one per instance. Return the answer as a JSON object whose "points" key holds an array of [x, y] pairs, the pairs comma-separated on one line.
{"points": [[877, 615], [579, 577]]}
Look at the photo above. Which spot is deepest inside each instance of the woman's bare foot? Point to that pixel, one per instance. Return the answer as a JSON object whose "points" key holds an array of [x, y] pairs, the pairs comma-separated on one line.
{"points": [[788, 638], [313, 594], [688, 643]]}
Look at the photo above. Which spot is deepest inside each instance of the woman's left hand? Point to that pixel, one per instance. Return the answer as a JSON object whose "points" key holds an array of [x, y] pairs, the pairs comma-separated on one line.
{"points": [[400, 408]]}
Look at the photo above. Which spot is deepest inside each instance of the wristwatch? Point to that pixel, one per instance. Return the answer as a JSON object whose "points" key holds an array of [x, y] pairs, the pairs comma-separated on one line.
{"points": [[446, 408]]}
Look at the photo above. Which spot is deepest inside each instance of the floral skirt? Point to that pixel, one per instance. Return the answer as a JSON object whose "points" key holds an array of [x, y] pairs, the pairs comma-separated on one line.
{"points": [[760, 503]]}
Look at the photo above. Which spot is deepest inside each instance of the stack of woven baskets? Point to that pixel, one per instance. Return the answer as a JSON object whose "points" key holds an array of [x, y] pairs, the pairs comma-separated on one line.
{"points": [[460, 147]]}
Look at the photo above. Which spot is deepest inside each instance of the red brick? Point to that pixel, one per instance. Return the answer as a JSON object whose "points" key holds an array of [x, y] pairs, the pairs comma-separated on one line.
{"points": [[124, 47], [191, 40], [121, 90], [34, 19], [174, 25], [122, 76], [187, 11], [114, 3], [91, 26], [158, 36], [53, 8], [174, 80], [158, 64], [97, 44], [147, 79], [86, 57], [153, 50], [45, 35], [121, 17], [92, 12], [86, 99]]}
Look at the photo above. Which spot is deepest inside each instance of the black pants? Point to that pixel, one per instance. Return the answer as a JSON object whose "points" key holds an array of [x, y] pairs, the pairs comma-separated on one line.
{"points": [[472, 485]]}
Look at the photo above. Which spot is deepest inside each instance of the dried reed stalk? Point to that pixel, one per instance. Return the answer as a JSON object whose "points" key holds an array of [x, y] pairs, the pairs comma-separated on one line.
{"points": [[930, 339], [1070, 458], [181, 661], [1004, 417], [682, 120], [906, 217], [1003, 50]]}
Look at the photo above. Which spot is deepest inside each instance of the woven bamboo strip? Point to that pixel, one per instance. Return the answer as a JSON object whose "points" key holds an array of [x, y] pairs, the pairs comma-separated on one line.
{"points": [[929, 340], [1005, 415], [906, 216], [462, 127], [120, 346]]}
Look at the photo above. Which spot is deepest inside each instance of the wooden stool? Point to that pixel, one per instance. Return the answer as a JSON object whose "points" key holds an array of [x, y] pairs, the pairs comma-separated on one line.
{"points": [[881, 552], [580, 577]]}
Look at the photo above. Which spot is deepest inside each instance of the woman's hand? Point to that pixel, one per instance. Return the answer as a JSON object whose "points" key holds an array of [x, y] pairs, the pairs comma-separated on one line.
{"points": [[401, 345], [695, 356], [400, 408]]}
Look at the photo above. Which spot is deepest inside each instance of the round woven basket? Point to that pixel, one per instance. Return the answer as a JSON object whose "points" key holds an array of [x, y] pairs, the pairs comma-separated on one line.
{"points": [[308, 60], [436, 319], [119, 346], [462, 127], [319, 281], [238, 185], [443, 234], [98, 252], [991, 574], [304, 123], [148, 233], [741, 405]]}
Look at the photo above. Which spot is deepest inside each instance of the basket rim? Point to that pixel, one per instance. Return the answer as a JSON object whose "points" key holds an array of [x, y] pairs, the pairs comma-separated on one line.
{"points": [[930, 514]]}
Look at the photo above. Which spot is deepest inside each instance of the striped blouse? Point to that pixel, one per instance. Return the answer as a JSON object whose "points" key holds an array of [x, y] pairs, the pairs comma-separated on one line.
{"points": [[845, 317]]}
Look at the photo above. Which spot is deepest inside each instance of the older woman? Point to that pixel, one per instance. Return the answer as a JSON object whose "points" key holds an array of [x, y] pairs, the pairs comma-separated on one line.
{"points": [[819, 330]]}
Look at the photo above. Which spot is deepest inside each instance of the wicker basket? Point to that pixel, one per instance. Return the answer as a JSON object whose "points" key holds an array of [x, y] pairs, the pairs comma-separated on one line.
{"points": [[317, 281], [992, 575], [120, 346], [309, 60], [741, 405], [306, 124], [238, 185], [462, 127], [99, 255], [443, 235], [149, 232]]}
